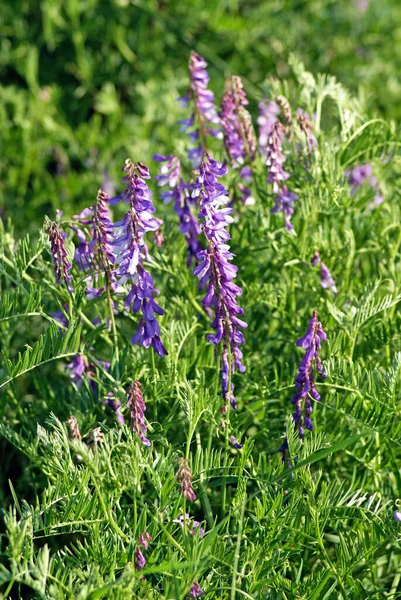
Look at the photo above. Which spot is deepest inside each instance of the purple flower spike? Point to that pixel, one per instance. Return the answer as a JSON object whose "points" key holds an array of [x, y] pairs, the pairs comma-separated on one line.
{"points": [[188, 224], [137, 409], [215, 270], [305, 380], [204, 114], [61, 263], [268, 116], [284, 199], [326, 279], [144, 539], [195, 590], [184, 478], [364, 174], [140, 560], [130, 252]]}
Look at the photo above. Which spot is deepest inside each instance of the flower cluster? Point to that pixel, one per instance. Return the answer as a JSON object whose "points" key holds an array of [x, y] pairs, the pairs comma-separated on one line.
{"points": [[143, 540], [326, 279], [137, 409], [239, 135], [81, 367], [195, 590], [188, 224], [130, 252], [216, 270], [306, 127], [204, 110], [61, 263], [184, 478], [268, 116], [364, 174], [305, 380], [284, 199], [192, 523]]}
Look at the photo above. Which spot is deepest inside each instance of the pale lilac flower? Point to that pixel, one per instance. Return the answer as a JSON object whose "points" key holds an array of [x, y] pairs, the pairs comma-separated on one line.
{"points": [[268, 116], [144, 539], [204, 110], [195, 591], [158, 238], [140, 560], [364, 174], [130, 252], [305, 380], [188, 224], [80, 367], [137, 409], [326, 279], [184, 478], [397, 516], [215, 270], [61, 263], [192, 523]]}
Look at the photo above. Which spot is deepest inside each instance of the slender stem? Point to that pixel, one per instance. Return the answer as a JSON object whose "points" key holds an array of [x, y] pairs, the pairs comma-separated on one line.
{"points": [[237, 551], [107, 512], [116, 354]]}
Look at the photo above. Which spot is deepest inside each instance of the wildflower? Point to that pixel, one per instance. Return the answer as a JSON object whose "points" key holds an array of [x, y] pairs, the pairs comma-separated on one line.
{"points": [[397, 516], [326, 279], [364, 174], [195, 590], [284, 199], [73, 426], [115, 404], [130, 251], [158, 238], [188, 224], [235, 443], [94, 437], [184, 478], [204, 114], [286, 113], [140, 560], [137, 409], [144, 539], [306, 128], [193, 524], [305, 380], [61, 263], [268, 116], [215, 268], [80, 367]]}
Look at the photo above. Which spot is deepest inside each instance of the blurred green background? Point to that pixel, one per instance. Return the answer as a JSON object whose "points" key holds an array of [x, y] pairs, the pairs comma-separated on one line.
{"points": [[88, 82]]}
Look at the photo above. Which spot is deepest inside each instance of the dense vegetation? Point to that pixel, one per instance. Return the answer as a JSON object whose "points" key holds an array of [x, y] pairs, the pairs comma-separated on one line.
{"points": [[109, 437]]}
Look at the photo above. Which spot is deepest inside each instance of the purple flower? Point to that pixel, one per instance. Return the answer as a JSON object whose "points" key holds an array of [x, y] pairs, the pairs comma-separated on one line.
{"points": [[195, 590], [80, 367], [192, 523], [306, 128], [158, 238], [188, 224], [144, 539], [184, 478], [397, 516], [204, 110], [137, 409], [61, 263], [140, 560], [115, 404], [305, 380], [364, 174], [239, 137], [284, 199], [326, 279], [215, 270], [235, 443], [130, 252], [268, 116]]}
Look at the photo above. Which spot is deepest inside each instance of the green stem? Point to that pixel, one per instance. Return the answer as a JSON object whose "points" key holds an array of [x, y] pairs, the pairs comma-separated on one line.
{"points": [[115, 361]]}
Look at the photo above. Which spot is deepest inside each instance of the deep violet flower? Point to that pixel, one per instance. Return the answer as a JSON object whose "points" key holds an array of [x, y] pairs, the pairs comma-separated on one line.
{"points": [[140, 560], [80, 367], [235, 443], [306, 127], [215, 270], [326, 279], [364, 174], [192, 523], [195, 590], [268, 115], [137, 409], [130, 252], [204, 110], [97, 254], [115, 404], [284, 199], [184, 478], [61, 263], [305, 380], [144, 539], [179, 192]]}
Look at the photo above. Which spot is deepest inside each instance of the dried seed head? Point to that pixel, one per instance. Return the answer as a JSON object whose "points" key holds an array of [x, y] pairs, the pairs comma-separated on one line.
{"points": [[184, 478], [73, 426]]}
